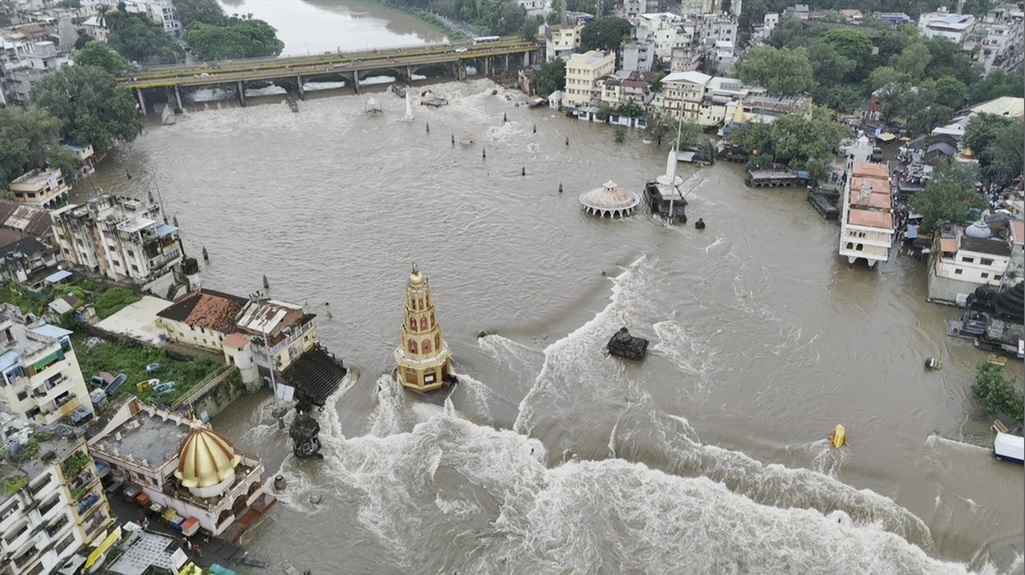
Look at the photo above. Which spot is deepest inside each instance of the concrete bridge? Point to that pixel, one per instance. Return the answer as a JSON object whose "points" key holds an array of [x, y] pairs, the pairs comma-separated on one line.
{"points": [[353, 67]]}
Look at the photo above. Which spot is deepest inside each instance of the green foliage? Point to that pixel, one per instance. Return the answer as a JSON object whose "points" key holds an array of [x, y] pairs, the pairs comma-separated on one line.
{"points": [[998, 393], [114, 300], [131, 359], [91, 108], [605, 34], [853, 45], [29, 137], [687, 134], [13, 484], [619, 135], [631, 110], [551, 77], [753, 139], [801, 140], [202, 11], [913, 61], [73, 4], [141, 40], [15, 294], [74, 464], [997, 142], [241, 39], [949, 196], [491, 17], [660, 127], [784, 71], [100, 55], [997, 84]]}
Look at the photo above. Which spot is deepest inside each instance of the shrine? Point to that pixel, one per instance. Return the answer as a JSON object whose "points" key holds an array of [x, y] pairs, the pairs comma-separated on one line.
{"points": [[424, 359]]}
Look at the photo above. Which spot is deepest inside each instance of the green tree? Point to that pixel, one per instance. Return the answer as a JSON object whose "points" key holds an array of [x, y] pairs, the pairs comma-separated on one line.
{"points": [[631, 110], [790, 33], [782, 71], [687, 134], [558, 13], [950, 92], [854, 45], [949, 196], [242, 39], [913, 60], [89, 105], [551, 77], [605, 34], [203, 11], [619, 135], [139, 39], [100, 55], [801, 137], [998, 393], [659, 127], [28, 139], [830, 68], [995, 85], [754, 139], [997, 143], [884, 76]]}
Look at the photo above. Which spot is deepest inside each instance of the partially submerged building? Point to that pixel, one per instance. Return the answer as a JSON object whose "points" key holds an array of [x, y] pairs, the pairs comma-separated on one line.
{"points": [[866, 221], [184, 465]]}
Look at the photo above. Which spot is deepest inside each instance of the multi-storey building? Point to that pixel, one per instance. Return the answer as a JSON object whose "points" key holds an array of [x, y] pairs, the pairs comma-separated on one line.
{"points": [[284, 330], [582, 74], [159, 11], [60, 507], [536, 7], [866, 225], [40, 379], [665, 30], [943, 24], [184, 465], [965, 258], [682, 94], [47, 189], [33, 61], [637, 56], [998, 41], [123, 238], [562, 41]]}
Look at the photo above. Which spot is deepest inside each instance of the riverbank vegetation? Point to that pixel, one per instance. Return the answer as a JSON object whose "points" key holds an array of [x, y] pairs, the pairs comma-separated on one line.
{"points": [[498, 17], [139, 39], [804, 140], [950, 196], [998, 393], [29, 140], [212, 34]]}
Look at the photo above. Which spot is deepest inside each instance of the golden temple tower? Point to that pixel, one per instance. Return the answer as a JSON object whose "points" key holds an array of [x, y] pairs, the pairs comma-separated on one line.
{"points": [[425, 361]]}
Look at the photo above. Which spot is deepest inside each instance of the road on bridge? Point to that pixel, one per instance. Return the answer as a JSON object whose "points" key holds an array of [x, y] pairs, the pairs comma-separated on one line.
{"points": [[340, 63]]}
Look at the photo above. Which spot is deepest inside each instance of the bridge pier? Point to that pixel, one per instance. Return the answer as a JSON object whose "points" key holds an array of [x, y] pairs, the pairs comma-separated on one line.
{"points": [[506, 70], [178, 98], [526, 60], [142, 101], [355, 83], [299, 86], [241, 94], [487, 66]]}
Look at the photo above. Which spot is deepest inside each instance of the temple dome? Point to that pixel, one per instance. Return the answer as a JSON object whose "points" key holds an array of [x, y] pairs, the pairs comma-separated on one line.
{"points": [[415, 277], [609, 199], [978, 230], [206, 458]]}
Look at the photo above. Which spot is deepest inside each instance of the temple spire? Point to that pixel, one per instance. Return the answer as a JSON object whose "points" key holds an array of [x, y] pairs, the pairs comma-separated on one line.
{"points": [[424, 359], [671, 162]]}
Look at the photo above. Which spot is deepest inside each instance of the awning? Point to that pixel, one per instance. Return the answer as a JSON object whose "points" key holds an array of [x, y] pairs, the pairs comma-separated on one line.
{"points": [[57, 276], [109, 542], [887, 137], [190, 526]]}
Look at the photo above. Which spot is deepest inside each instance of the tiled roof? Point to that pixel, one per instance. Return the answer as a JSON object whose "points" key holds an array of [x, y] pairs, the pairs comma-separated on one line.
{"points": [[28, 219], [206, 309], [871, 219], [26, 246]]}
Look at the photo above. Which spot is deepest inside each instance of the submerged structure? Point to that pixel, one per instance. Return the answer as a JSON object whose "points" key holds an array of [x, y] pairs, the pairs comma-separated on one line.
{"points": [[664, 197], [424, 359], [304, 432], [610, 201], [625, 345]]}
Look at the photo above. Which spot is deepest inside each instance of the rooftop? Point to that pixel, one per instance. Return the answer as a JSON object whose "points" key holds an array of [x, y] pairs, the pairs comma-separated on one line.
{"points": [[870, 170], [148, 437], [52, 444], [29, 335], [691, 77], [27, 219], [316, 374], [206, 309], [871, 219], [26, 246], [270, 317], [986, 246], [33, 178]]}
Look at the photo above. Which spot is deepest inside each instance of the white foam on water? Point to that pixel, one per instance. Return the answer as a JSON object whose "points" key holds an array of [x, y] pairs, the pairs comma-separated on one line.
{"points": [[516, 357], [681, 348], [609, 516]]}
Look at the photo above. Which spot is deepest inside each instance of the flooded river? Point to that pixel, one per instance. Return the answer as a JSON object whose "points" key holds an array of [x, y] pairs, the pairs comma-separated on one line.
{"points": [[551, 457]]}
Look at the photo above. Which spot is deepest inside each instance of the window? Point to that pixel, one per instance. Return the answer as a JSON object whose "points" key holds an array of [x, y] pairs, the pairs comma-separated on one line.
{"points": [[985, 276], [998, 277], [958, 271], [986, 261], [22, 395], [967, 260]]}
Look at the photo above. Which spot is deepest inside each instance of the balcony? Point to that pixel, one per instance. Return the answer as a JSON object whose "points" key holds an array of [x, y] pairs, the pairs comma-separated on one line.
{"points": [[69, 405]]}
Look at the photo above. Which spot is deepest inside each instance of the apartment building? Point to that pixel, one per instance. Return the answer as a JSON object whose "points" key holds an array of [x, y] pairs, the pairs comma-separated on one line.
{"points": [[582, 74], [40, 379]]}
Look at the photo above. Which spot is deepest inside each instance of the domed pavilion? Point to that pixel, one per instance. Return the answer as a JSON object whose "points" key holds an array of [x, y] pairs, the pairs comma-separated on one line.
{"points": [[206, 462], [610, 201]]}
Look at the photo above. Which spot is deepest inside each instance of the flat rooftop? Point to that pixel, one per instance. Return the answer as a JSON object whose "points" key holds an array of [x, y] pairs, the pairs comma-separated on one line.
{"points": [[871, 219], [33, 178], [135, 224], [146, 438], [870, 170], [146, 549]]}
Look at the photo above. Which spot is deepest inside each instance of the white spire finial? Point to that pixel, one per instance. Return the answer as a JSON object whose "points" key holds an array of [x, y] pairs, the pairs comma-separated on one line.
{"points": [[671, 166]]}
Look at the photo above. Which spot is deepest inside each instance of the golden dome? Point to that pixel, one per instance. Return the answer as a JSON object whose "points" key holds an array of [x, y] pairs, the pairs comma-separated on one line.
{"points": [[206, 458]]}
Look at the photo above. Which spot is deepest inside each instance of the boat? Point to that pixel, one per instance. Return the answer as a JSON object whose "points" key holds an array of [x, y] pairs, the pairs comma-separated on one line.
{"points": [[290, 570], [152, 368], [839, 437], [115, 385], [933, 364], [1007, 447], [996, 360], [622, 344], [147, 385]]}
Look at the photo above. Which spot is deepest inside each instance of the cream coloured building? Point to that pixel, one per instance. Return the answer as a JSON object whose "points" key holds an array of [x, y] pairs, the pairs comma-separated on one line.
{"points": [[40, 379], [184, 465], [866, 223], [41, 188], [582, 74], [964, 259], [203, 318], [682, 94], [561, 41]]}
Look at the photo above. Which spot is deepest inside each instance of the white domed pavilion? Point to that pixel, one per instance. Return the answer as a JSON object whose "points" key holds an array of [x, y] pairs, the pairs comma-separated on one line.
{"points": [[610, 201]]}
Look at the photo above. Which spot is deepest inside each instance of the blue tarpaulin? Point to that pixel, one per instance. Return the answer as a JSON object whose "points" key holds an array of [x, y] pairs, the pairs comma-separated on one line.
{"points": [[804, 176]]}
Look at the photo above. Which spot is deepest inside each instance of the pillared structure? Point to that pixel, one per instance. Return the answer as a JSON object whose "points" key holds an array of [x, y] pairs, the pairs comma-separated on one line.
{"points": [[424, 359]]}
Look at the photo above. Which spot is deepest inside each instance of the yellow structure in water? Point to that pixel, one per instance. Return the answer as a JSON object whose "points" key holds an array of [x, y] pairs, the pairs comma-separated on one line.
{"points": [[424, 359], [839, 437]]}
